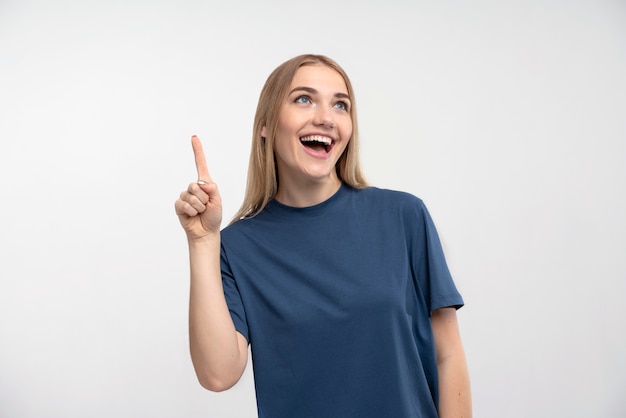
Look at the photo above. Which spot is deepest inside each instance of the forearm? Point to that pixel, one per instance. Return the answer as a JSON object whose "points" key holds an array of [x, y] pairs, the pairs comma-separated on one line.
{"points": [[454, 388], [214, 342]]}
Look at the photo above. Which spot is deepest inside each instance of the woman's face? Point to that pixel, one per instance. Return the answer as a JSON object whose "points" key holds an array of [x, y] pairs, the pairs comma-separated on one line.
{"points": [[314, 127]]}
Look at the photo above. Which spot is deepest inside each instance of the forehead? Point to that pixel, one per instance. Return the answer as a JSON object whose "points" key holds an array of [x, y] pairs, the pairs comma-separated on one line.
{"points": [[320, 77]]}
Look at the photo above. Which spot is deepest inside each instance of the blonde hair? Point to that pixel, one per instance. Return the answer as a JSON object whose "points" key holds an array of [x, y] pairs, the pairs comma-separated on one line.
{"points": [[262, 183]]}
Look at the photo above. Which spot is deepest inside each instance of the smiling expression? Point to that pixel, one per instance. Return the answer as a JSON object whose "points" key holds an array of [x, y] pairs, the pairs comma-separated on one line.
{"points": [[314, 127]]}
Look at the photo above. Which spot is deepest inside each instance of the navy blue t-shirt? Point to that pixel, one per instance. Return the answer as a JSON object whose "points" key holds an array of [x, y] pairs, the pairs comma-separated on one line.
{"points": [[335, 301]]}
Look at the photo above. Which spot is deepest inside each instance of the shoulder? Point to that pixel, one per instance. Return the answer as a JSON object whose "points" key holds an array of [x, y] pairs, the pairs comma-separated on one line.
{"points": [[407, 209], [237, 231], [239, 226], [390, 198]]}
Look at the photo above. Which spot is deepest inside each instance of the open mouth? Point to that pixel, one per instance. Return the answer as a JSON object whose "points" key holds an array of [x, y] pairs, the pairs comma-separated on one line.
{"points": [[317, 142]]}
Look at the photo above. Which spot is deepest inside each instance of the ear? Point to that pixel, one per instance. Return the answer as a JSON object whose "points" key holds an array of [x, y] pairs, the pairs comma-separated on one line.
{"points": [[263, 130]]}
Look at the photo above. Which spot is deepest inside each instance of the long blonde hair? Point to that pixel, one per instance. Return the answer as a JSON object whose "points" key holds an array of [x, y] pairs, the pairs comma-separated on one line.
{"points": [[262, 183]]}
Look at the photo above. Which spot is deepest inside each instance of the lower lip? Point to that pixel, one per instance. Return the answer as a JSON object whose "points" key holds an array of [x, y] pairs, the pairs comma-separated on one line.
{"points": [[318, 154]]}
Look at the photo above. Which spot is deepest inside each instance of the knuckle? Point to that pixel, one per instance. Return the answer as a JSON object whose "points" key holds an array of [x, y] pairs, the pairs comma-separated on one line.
{"points": [[190, 210]]}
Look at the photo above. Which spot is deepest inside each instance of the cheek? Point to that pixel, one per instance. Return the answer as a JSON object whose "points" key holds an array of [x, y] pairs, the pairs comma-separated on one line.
{"points": [[346, 131], [283, 127]]}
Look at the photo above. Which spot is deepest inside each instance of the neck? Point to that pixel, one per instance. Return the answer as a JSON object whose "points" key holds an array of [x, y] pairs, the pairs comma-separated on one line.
{"points": [[304, 195]]}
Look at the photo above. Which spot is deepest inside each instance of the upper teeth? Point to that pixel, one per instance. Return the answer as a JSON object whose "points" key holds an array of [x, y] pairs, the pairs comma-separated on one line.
{"points": [[316, 138]]}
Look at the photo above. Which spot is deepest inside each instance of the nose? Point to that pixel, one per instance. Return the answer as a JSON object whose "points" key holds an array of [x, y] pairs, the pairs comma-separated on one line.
{"points": [[324, 117]]}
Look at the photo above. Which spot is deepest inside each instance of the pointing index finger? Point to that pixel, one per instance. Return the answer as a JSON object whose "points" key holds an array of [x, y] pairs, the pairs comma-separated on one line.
{"points": [[198, 153]]}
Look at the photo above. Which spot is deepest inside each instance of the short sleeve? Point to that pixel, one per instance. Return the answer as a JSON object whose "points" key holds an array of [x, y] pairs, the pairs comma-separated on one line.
{"points": [[233, 297], [429, 264]]}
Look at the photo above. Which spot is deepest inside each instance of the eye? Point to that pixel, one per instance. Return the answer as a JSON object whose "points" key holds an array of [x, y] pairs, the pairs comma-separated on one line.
{"points": [[342, 105], [302, 99]]}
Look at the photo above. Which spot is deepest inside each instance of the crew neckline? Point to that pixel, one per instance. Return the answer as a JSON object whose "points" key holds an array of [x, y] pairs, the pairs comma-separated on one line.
{"points": [[275, 207]]}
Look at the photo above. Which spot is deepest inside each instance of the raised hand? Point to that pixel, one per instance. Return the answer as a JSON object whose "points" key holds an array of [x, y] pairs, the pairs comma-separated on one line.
{"points": [[199, 208]]}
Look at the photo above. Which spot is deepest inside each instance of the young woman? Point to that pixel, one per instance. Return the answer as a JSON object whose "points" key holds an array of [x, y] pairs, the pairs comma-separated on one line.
{"points": [[341, 289]]}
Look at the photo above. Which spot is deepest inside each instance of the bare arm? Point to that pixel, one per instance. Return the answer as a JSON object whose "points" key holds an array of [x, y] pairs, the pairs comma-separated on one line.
{"points": [[454, 384], [218, 352]]}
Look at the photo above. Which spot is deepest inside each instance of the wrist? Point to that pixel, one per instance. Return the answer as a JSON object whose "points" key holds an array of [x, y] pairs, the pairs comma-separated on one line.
{"points": [[210, 239]]}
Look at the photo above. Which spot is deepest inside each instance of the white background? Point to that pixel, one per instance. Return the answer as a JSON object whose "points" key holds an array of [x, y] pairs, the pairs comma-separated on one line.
{"points": [[508, 118]]}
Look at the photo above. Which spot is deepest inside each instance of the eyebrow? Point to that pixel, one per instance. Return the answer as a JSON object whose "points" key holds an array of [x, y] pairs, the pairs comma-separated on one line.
{"points": [[313, 91]]}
